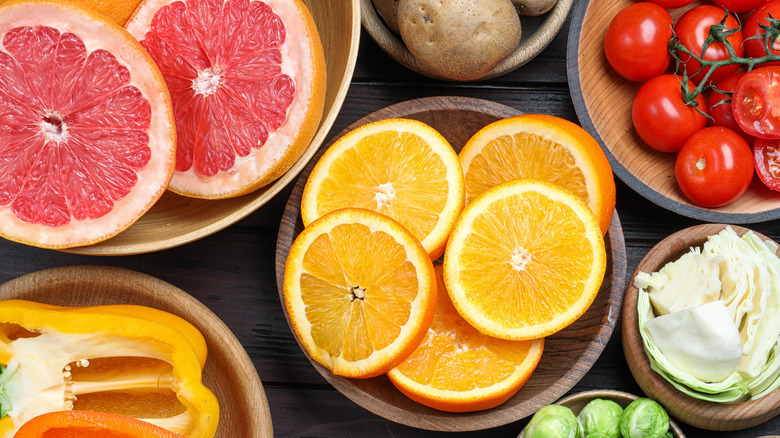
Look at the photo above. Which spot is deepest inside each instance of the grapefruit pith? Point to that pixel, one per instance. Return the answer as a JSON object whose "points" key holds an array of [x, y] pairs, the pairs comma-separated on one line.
{"points": [[247, 80], [87, 137]]}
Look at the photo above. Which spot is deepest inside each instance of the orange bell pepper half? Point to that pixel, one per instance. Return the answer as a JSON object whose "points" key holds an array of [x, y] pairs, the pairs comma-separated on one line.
{"points": [[86, 424]]}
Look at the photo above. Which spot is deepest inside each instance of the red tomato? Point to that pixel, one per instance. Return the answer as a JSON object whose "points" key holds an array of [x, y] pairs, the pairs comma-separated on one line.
{"points": [[756, 48], [637, 40], [693, 28], [721, 113], [660, 116], [714, 167], [671, 4], [739, 6], [755, 104], [766, 154]]}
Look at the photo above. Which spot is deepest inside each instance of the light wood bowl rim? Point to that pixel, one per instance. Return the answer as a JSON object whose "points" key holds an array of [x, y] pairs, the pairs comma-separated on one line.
{"points": [[221, 218], [698, 413], [580, 105], [218, 335], [620, 397], [527, 50], [469, 421]]}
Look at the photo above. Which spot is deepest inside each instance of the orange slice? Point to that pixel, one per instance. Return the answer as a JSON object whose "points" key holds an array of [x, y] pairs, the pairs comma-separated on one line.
{"points": [[525, 259], [401, 168], [458, 369], [87, 137], [247, 80], [360, 292], [543, 147]]}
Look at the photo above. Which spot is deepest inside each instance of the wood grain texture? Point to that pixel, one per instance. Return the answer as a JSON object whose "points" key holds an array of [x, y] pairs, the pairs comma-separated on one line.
{"points": [[603, 101], [568, 355], [700, 413], [537, 33], [229, 372], [577, 401], [175, 220]]}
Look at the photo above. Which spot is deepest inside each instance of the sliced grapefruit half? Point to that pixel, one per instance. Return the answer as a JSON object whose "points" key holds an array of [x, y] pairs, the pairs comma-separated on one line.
{"points": [[87, 137], [247, 80]]}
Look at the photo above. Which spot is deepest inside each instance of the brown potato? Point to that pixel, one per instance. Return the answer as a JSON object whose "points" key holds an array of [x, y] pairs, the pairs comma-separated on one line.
{"points": [[388, 10], [459, 39], [533, 7]]}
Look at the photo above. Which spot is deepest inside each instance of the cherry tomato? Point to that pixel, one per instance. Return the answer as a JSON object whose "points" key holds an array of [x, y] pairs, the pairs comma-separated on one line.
{"points": [[756, 48], [766, 154], [660, 116], [739, 6], [714, 167], [671, 4], [721, 113], [637, 39], [693, 28], [755, 103]]}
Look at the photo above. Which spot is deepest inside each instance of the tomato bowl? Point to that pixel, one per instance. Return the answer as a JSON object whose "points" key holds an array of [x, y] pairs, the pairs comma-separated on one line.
{"points": [[603, 101]]}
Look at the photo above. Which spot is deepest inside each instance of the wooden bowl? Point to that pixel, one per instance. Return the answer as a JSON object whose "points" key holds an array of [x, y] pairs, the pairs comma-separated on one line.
{"points": [[577, 401], [568, 355], [699, 413], [537, 32], [175, 220], [603, 100], [229, 372]]}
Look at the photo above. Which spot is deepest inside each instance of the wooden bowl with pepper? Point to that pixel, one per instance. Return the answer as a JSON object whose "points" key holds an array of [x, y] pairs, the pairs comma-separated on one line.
{"points": [[97, 338]]}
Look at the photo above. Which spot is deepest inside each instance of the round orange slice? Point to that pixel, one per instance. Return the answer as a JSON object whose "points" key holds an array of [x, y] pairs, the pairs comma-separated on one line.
{"points": [[543, 147], [87, 137], [247, 80], [401, 168], [525, 259], [458, 369], [360, 292]]}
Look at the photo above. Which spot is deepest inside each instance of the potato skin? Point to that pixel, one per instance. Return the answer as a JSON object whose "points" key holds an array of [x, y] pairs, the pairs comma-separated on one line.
{"points": [[460, 40], [388, 10], [533, 7]]}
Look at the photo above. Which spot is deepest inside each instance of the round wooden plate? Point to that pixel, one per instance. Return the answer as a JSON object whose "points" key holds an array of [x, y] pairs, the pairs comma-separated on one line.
{"points": [[577, 401], [568, 355], [699, 413], [536, 34], [229, 372], [175, 220], [603, 100]]}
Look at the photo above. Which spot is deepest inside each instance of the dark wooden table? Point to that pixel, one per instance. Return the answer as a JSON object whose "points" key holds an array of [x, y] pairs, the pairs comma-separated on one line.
{"points": [[232, 272]]}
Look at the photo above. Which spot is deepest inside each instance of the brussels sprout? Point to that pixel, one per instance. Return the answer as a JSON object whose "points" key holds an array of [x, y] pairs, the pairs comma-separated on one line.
{"points": [[644, 418], [553, 421], [601, 419]]}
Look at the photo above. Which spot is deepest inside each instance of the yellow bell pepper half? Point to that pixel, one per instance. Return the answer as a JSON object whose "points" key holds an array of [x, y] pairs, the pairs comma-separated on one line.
{"points": [[128, 360]]}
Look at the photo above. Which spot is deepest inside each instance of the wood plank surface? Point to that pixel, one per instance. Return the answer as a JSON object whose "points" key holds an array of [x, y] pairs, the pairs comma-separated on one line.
{"points": [[233, 272]]}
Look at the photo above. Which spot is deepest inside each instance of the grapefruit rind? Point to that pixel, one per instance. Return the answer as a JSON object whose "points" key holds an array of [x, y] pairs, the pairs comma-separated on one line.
{"points": [[98, 33], [284, 146]]}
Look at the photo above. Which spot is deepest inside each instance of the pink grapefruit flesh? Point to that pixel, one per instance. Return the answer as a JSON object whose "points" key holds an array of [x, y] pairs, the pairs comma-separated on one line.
{"points": [[86, 131], [247, 80]]}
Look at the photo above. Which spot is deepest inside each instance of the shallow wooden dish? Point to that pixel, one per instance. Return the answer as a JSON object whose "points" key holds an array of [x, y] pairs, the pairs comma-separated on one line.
{"points": [[229, 372], [603, 102], [175, 220], [699, 413], [537, 32], [577, 401], [568, 355]]}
